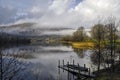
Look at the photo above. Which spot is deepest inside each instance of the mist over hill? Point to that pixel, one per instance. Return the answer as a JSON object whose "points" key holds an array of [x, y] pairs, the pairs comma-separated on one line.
{"points": [[32, 29]]}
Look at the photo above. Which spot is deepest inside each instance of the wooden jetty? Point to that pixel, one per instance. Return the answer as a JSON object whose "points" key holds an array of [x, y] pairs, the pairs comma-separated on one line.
{"points": [[74, 69]]}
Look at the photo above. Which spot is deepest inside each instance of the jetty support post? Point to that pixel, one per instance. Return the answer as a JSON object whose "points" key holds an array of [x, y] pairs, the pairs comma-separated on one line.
{"points": [[58, 66], [78, 71], [73, 65], [84, 65], [68, 70], [63, 64]]}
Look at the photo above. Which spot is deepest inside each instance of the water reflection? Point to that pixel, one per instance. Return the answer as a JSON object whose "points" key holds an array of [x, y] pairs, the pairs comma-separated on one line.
{"points": [[80, 52], [11, 66], [105, 57], [41, 62]]}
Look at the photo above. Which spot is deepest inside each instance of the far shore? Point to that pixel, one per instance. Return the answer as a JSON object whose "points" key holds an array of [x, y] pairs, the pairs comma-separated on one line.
{"points": [[85, 44]]}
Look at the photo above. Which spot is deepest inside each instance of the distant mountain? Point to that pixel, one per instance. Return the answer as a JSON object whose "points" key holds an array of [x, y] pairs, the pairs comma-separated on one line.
{"points": [[6, 38], [22, 25], [32, 29], [28, 32], [16, 28]]}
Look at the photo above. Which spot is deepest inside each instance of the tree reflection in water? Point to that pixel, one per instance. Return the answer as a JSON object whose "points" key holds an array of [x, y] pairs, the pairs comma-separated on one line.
{"points": [[105, 57], [11, 66], [80, 52]]}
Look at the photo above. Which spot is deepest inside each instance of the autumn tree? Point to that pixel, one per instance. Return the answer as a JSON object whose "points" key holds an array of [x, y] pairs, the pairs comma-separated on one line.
{"points": [[79, 35], [98, 32]]}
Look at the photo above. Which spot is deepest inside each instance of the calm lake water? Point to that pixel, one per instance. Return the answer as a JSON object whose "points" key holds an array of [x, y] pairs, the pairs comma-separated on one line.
{"points": [[41, 62]]}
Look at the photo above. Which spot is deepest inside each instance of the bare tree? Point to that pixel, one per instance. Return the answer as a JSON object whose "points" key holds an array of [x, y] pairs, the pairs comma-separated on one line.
{"points": [[10, 67], [112, 27], [98, 35], [79, 35]]}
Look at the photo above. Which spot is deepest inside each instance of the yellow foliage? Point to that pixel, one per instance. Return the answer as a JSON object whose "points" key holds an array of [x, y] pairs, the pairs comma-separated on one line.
{"points": [[83, 45]]}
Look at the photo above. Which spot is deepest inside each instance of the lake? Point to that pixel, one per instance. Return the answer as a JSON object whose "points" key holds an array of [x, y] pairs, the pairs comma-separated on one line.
{"points": [[40, 62]]}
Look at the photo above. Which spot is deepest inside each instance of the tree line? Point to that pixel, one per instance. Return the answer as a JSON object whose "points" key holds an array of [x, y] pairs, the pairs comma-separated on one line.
{"points": [[6, 38], [104, 32], [106, 41]]}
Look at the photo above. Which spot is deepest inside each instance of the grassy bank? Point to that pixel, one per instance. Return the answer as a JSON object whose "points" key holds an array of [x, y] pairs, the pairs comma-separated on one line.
{"points": [[83, 45], [80, 45], [88, 45]]}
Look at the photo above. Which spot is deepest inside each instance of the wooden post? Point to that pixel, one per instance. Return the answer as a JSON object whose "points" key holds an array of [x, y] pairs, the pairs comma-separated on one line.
{"points": [[63, 64], [58, 63], [73, 65], [58, 66], [78, 67], [73, 62], [68, 70], [84, 65], [78, 71]]}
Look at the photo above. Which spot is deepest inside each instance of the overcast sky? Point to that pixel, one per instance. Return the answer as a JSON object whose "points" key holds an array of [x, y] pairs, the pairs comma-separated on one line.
{"points": [[71, 13]]}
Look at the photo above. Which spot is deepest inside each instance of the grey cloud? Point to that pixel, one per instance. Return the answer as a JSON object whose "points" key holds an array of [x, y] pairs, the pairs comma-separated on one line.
{"points": [[6, 15], [71, 13]]}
